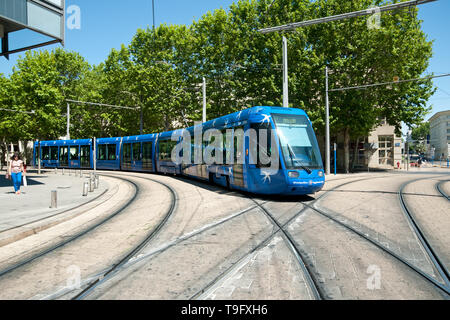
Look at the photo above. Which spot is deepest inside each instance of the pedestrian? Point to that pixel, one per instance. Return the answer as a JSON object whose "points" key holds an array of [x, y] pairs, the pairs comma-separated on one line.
{"points": [[419, 162], [16, 169]]}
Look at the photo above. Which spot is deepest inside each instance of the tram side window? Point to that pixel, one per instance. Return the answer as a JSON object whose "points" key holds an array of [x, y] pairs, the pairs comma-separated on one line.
{"points": [[224, 146], [63, 155], [101, 152], [111, 152], [192, 150], [126, 152], [162, 150], [238, 144], [137, 155], [74, 153], [45, 153], [262, 149], [147, 151], [54, 153], [165, 150]]}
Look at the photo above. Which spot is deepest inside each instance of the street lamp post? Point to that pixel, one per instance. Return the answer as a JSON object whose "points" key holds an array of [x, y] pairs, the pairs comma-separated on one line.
{"points": [[204, 100], [293, 26], [285, 75]]}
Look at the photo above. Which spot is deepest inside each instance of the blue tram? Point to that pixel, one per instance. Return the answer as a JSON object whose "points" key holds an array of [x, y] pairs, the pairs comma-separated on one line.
{"points": [[236, 140]]}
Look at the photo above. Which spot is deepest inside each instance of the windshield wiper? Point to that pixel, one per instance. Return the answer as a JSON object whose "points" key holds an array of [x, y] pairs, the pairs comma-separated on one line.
{"points": [[294, 159]]}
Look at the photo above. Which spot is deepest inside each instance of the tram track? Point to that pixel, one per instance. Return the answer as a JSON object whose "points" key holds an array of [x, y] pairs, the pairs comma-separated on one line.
{"points": [[134, 257], [439, 188], [133, 252], [312, 282], [445, 288], [78, 235], [421, 235]]}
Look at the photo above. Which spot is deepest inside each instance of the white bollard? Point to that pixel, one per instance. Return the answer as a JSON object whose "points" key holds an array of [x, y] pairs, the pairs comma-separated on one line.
{"points": [[97, 181], [85, 188], [54, 199], [91, 185]]}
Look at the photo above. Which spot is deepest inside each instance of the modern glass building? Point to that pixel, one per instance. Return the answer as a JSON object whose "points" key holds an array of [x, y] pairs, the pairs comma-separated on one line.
{"points": [[42, 16]]}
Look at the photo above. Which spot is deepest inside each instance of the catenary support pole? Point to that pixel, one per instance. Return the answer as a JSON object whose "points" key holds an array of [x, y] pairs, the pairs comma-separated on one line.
{"points": [[142, 121], [327, 124], [68, 122], [285, 75], [95, 155]]}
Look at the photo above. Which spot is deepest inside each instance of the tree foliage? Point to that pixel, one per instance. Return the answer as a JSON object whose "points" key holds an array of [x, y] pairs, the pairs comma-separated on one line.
{"points": [[161, 71]]}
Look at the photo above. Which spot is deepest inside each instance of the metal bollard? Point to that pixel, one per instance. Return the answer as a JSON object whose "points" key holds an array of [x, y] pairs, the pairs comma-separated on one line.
{"points": [[85, 188], [91, 186], [97, 181], [56, 171], [54, 200], [63, 171]]}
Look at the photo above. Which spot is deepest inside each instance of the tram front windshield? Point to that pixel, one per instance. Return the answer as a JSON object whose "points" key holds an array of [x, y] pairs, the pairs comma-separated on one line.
{"points": [[298, 142]]}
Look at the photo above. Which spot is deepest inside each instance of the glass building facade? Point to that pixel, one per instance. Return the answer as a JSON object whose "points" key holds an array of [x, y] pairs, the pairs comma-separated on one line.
{"points": [[42, 16]]}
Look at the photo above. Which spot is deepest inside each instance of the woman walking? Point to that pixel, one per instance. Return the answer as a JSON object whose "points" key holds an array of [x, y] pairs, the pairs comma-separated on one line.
{"points": [[16, 170]]}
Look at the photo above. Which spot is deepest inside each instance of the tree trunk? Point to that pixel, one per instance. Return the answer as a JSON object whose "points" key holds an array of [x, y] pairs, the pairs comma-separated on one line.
{"points": [[346, 150], [355, 154]]}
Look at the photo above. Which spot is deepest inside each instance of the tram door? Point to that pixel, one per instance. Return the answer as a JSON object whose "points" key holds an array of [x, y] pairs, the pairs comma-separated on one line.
{"points": [[126, 156], [85, 156], [239, 156], [147, 156], [136, 164], [64, 156]]}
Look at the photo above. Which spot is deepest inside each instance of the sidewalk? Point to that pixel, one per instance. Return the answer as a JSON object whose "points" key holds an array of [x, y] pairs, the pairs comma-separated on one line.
{"points": [[34, 202]]}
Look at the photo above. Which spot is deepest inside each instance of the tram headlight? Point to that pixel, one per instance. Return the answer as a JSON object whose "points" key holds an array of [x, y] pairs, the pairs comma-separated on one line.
{"points": [[321, 174], [293, 174]]}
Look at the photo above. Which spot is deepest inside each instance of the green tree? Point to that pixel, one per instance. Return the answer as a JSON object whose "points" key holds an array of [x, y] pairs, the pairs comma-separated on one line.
{"points": [[419, 135], [42, 81]]}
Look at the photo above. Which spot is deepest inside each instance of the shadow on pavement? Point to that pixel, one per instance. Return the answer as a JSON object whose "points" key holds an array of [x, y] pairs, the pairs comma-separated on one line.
{"points": [[4, 183]]}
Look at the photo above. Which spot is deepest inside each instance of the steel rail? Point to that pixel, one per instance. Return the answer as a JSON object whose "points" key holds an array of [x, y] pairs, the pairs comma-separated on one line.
{"points": [[308, 274], [110, 272], [444, 288], [269, 238], [382, 247], [62, 212], [74, 237], [440, 190], [437, 262]]}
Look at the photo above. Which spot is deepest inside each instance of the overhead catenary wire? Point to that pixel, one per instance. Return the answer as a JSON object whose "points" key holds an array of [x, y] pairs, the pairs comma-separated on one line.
{"points": [[102, 105], [387, 83], [370, 11]]}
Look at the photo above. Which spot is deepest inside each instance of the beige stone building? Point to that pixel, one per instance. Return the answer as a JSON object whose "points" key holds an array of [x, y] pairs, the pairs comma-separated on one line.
{"points": [[440, 135], [382, 149], [387, 147]]}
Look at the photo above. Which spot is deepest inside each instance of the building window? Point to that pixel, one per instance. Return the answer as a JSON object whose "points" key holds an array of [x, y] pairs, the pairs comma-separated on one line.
{"points": [[386, 150]]}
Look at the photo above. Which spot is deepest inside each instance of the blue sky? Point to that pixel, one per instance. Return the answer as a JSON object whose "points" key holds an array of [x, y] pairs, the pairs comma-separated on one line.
{"points": [[106, 24]]}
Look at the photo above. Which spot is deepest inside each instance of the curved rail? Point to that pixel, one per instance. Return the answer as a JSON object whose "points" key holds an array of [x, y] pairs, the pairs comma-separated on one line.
{"points": [[110, 272], [445, 288], [318, 294], [440, 190], [312, 282], [440, 267], [74, 237]]}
